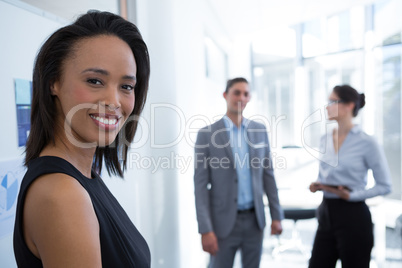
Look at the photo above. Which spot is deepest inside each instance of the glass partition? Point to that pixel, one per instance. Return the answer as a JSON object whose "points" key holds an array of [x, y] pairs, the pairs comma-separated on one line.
{"points": [[361, 46]]}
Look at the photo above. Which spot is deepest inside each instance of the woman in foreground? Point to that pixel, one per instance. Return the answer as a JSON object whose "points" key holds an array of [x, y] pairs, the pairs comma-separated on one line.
{"points": [[90, 83]]}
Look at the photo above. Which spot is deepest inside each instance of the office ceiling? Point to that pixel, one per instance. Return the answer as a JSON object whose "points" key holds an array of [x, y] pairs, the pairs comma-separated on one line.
{"points": [[237, 16], [245, 16]]}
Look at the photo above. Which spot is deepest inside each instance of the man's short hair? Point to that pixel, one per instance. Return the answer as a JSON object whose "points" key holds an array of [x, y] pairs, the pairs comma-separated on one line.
{"points": [[233, 81]]}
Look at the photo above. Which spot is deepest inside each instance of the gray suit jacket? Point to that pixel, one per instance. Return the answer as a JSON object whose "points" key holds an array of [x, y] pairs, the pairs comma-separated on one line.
{"points": [[215, 178]]}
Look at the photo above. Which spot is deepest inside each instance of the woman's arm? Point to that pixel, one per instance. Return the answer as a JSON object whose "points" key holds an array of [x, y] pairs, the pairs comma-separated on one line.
{"points": [[60, 224], [376, 161]]}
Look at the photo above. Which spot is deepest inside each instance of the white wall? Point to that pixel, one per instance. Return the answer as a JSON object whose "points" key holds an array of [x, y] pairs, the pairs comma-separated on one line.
{"points": [[174, 31], [22, 32]]}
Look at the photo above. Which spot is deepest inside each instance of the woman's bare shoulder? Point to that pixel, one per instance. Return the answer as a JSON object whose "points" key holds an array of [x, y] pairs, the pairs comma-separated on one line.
{"points": [[59, 221], [53, 184]]}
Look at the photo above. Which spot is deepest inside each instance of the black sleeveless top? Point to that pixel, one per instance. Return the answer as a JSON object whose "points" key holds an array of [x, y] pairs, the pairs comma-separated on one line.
{"points": [[121, 243]]}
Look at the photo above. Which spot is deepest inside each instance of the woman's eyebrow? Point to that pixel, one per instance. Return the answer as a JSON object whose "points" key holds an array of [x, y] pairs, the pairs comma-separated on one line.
{"points": [[104, 72], [130, 77], [96, 70]]}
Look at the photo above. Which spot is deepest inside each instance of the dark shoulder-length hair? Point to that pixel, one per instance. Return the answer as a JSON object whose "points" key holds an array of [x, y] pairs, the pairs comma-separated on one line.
{"points": [[48, 69], [348, 94]]}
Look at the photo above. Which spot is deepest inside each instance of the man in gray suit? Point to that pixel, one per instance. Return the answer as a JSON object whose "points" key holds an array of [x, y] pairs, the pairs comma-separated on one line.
{"points": [[233, 169]]}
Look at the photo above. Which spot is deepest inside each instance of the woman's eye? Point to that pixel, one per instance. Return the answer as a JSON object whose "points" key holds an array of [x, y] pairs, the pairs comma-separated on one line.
{"points": [[128, 87], [94, 81]]}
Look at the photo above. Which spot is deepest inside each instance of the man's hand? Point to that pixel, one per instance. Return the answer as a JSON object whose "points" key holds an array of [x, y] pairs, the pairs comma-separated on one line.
{"points": [[209, 243], [276, 227]]}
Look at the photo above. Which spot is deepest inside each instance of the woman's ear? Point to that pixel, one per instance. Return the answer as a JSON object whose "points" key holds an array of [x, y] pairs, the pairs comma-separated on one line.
{"points": [[54, 88], [351, 106]]}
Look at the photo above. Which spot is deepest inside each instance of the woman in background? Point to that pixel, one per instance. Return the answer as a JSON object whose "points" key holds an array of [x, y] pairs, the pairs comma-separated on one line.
{"points": [[90, 82], [345, 229]]}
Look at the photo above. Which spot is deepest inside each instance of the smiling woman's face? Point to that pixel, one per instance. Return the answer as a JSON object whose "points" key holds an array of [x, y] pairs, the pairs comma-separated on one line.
{"points": [[95, 94]]}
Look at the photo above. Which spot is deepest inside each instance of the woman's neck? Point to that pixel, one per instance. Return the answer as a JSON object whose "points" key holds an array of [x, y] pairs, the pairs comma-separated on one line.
{"points": [[344, 126], [80, 158]]}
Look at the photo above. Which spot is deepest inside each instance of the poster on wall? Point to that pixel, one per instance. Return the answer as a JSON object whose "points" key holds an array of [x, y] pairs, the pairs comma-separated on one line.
{"points": [[23, 93], [11, 174]]}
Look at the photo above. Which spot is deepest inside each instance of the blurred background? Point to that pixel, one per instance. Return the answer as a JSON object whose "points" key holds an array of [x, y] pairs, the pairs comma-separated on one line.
{"points": [[293, 52]]}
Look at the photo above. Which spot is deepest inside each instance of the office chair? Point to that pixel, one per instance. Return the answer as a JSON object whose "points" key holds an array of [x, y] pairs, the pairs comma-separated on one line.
{"points": [[295, 214], [298, 203]]}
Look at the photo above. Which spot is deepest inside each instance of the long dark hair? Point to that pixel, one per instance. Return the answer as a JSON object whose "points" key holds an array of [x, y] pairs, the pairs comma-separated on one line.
{"points": [[48, 69], [348, 94]]}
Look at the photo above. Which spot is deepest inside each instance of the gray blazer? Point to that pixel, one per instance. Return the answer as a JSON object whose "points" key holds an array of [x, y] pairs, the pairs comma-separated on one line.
{"points": [[215, 178]]}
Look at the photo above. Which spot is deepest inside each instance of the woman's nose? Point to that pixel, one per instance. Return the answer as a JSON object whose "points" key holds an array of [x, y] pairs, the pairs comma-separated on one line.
{"points": [[111, 99]]}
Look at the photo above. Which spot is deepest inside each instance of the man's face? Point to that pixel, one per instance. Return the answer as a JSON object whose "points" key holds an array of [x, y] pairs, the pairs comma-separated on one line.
{"points": [[237, 97]]}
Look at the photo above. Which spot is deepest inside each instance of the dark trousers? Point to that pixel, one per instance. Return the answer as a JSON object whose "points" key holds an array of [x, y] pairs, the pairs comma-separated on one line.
{"points": [[345, 232]]}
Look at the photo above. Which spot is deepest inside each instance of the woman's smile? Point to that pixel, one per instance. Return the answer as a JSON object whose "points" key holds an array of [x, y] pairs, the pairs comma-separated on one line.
{"points": [[106, 121]]}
